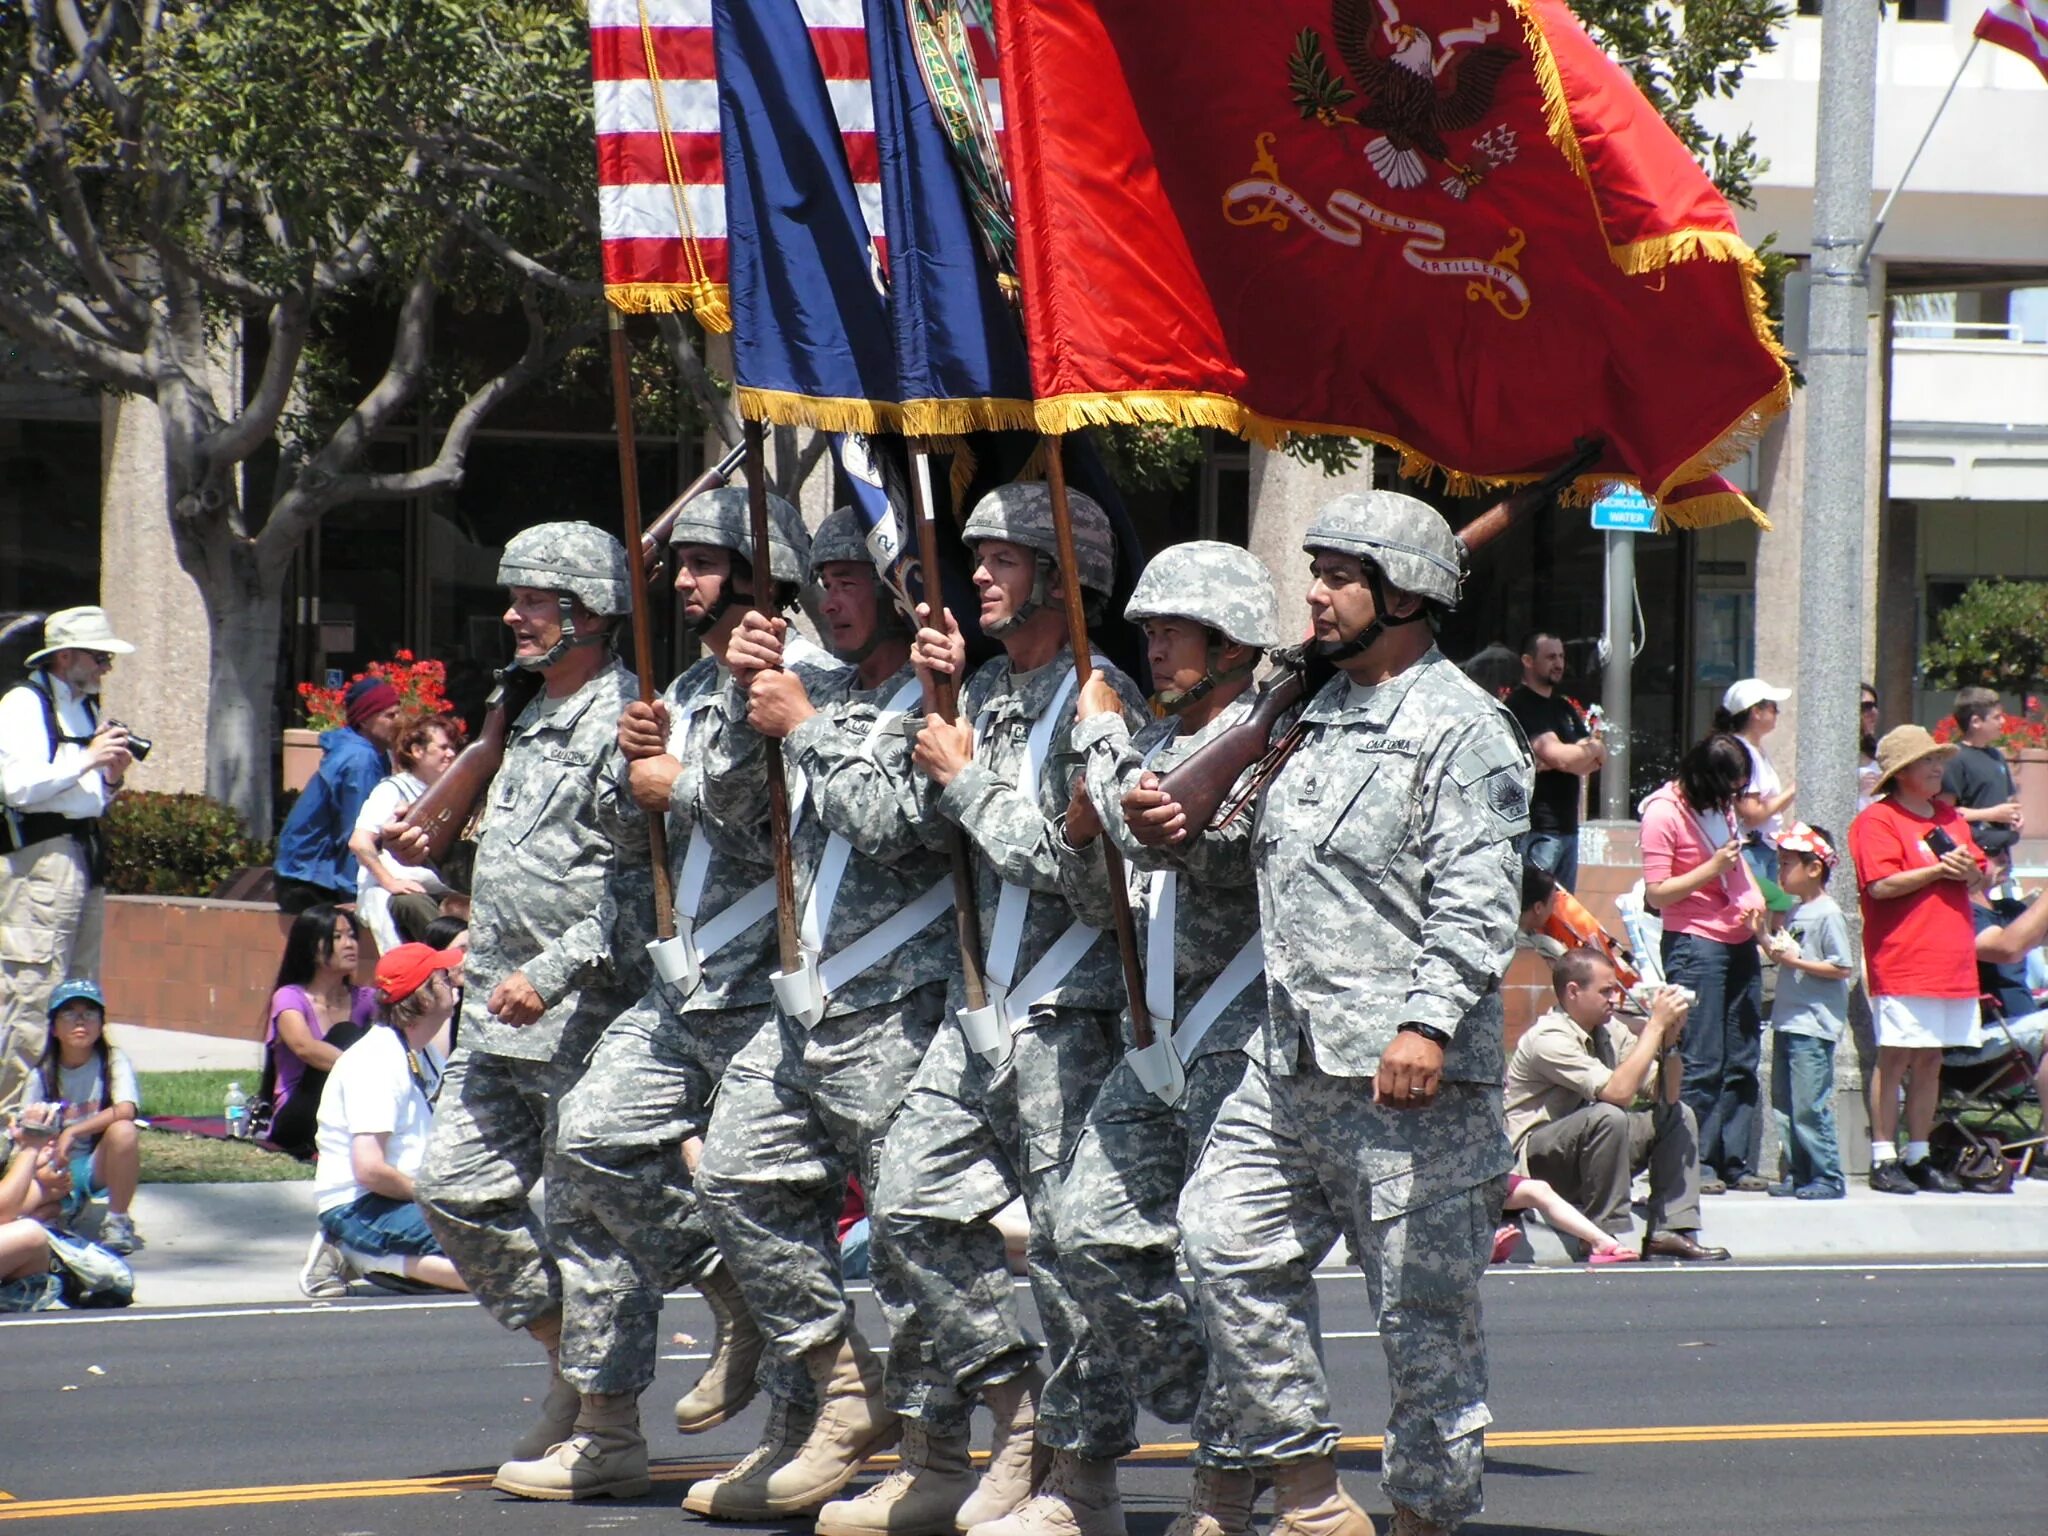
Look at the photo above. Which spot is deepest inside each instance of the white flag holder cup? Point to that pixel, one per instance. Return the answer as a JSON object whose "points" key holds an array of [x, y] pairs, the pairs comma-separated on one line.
{"points": [[801, 993], [676, 961], [1159, 1066], [987, 1028]]}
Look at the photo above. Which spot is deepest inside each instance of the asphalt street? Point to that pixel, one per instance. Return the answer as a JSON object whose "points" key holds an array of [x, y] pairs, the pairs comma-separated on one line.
{"points": [[1803, 1399]]}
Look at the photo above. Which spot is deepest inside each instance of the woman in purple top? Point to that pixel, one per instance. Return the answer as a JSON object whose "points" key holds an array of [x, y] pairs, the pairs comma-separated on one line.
{"points": [[316, 1012]]}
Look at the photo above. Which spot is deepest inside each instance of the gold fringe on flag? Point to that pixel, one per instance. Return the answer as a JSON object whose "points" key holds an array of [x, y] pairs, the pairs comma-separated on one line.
{"points": [[955, 418], [824, 412], [705, 302]]}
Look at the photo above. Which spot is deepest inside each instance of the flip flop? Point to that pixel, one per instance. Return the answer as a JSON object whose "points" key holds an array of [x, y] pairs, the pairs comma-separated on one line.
{"points": [[1614, 1256], [1505, 1239]]}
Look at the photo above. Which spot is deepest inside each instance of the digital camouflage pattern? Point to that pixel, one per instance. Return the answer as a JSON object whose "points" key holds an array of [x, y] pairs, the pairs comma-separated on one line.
{"points": [[1388, 878], [1292, 1164], [1224, 586], [970, 1139], [872, 889], [578, 558], [1120, 1240], [623, 1213], [563, 890], [492, 1141], [1406, 538], [1021, 513], [724, 519], [972, 1136], [839, 540], [798, 1111]]}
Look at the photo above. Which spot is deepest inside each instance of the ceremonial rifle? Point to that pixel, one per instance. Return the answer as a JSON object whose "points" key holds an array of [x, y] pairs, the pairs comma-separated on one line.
{"points": [[1202, 780], [1077, 639], [942, 698], [451, 802]]}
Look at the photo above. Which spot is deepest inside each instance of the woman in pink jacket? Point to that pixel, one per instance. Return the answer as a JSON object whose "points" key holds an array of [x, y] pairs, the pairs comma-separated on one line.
{"points": [[1694, 875]]}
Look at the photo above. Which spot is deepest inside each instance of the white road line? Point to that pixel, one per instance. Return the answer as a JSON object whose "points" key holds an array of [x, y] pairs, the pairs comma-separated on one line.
{"points": [[368, 1307]]}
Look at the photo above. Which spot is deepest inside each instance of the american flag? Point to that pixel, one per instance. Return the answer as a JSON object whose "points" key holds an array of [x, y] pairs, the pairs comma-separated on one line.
{"points": [[661, 181], [2022, 26]]}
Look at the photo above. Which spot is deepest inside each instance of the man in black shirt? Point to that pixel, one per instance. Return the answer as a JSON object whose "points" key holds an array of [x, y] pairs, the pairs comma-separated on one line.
{"points": [[1566, 750], [1977, 781]]}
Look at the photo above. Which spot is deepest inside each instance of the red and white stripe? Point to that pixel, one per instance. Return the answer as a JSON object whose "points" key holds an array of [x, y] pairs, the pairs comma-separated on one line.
{"points": [[2022, 26], [644, 241]]}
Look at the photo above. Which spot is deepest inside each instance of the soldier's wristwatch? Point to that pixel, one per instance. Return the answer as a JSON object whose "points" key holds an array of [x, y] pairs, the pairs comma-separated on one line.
{"points": [[1440, 1037]]}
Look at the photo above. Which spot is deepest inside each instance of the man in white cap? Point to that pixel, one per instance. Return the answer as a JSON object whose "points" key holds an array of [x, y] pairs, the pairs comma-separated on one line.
{"points": [[60, 765]]}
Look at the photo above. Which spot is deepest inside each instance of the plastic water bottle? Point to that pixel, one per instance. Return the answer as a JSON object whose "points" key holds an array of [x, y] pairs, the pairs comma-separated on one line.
{"points": [[237, 1113]]}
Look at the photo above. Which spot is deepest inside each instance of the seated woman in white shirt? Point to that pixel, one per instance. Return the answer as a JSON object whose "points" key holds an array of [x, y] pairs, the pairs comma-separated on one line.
{"points": [[375, 1115], [396, 901]]}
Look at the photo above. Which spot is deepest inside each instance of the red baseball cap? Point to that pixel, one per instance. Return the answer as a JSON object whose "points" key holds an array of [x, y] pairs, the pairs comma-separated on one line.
{"points": [[406, 969]]}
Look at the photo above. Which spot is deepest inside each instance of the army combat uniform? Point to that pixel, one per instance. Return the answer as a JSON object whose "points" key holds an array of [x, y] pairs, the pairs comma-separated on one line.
{"points": [[1388, 891], [563, 893]]}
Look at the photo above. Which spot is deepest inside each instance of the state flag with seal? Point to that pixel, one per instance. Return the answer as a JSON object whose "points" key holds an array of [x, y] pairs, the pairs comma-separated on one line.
{"points": [[1456, 230]]}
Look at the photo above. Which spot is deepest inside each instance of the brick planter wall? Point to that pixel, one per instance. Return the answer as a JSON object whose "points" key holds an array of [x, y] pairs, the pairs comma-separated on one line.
{"points": [[205, 967], [1610, 861]]}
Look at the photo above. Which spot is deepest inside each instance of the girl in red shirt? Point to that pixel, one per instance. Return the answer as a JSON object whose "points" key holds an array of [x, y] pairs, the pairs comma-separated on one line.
{"points": [[1916, 866]]}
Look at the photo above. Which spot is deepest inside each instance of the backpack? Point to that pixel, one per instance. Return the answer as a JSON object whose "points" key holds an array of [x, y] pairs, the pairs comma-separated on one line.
{"points": [[91, 1277]]}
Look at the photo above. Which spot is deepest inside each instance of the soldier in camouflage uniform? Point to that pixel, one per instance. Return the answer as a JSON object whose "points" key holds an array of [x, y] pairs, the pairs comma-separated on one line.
{"points": [[1388, 893], [621, 1175], [559, 923], [807, 1102], [999, 1103], [1209, 610]]}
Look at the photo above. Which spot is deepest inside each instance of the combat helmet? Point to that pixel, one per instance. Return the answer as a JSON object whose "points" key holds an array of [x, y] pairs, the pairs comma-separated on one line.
{"points": [[1220, 586], [1407, 539], [840, 540], [1021, 513], [577, 561], [723, 519]]}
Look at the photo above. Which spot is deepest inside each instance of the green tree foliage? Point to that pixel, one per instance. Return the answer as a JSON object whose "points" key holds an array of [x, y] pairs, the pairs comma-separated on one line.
{"points": [[1994, 636]]}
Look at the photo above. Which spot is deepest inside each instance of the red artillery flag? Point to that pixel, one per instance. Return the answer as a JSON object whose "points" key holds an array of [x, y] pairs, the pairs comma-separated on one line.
{"points": [[2022, 26], [1457, 229]]}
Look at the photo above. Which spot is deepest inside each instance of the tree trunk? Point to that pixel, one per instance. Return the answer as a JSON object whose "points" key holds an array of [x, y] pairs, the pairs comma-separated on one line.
{"points": [[241, 737]]}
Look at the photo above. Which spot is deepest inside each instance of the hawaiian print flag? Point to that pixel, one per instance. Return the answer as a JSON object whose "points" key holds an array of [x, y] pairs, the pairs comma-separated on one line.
{"points": [[1453, 228]]}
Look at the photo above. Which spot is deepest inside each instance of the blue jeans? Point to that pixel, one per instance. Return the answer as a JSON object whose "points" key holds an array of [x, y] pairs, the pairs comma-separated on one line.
{"points": [[1723, 1044], [1803, 1100], [380, 1227], [1557, 854]]}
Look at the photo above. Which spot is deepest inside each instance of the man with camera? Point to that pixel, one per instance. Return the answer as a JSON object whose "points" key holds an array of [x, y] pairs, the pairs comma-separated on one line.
{"points": [[1572, 1087], [60, 766]]}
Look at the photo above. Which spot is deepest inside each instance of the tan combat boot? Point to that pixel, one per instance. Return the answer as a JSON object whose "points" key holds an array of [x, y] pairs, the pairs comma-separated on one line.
{"points": [[1017, 1463], [741, 1494], [1409, 1523], [1219, 1504], [1077, 1498], [559, 1407], [933, 1479], [728, 1383], [605, 1457], [853, 1423], [1311, 1502]]}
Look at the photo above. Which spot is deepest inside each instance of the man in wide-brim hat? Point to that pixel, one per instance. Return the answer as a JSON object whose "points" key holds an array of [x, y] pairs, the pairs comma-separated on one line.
{"points": [[1916, 867], [60, 765]]}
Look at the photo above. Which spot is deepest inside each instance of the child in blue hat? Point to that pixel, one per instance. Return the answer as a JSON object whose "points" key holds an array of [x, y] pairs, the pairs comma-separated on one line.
{"points": [[100, 1141]]}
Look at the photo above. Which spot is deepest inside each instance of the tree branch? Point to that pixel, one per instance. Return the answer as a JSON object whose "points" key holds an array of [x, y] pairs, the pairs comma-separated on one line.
{"points": [[715, 403], [103, 363], [290, 322], [532, 270]]}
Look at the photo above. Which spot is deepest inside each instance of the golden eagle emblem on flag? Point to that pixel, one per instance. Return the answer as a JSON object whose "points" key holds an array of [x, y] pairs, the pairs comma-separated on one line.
{"points": [[1417, 89]]}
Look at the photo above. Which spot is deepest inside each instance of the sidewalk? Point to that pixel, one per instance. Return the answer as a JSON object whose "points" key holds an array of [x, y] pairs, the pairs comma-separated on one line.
{"points": [[214, 1244]]}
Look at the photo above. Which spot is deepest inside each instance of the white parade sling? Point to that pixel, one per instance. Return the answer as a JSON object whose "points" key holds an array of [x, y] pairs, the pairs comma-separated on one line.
{"points": [[988, 1029]]}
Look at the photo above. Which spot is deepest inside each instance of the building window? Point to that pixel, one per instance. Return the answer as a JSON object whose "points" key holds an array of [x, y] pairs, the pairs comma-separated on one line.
{"points": [[1923, 10]]}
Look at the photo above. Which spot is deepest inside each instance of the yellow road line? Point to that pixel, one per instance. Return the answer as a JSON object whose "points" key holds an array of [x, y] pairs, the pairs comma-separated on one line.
{"points": [[1165, 1451]]}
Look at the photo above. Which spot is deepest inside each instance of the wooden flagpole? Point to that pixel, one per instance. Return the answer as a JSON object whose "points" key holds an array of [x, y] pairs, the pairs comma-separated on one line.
{"points": [[789, 948]]}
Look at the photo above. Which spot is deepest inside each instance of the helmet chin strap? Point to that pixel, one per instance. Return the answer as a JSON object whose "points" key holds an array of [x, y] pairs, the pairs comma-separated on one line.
{"points": [[569, 641], [1039, 597], [1345, 650], [1173, 701]]}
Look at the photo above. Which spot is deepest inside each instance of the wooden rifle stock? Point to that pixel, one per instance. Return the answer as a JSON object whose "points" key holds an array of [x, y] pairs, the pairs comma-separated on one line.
{"points": [[1201, 780], [451, 801], [654, 542]]}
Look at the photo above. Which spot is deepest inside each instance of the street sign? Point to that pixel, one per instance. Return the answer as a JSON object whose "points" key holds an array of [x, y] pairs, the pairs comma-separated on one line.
{"points": [[1624, 510]]}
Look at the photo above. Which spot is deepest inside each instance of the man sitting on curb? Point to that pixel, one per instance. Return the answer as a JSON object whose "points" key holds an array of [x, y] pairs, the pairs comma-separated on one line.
{"points": [[1571, 1086]]}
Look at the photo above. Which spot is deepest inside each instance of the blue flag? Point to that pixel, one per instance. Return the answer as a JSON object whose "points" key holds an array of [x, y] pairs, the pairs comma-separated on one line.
{"points": [[811, 339]]}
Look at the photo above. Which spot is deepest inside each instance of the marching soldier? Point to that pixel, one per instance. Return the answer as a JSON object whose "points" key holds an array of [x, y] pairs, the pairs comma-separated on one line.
{"points": [[999, 1103], [557, 946], [1387, 877], [1209, 611], [621, 1181], [808, 1101]]}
